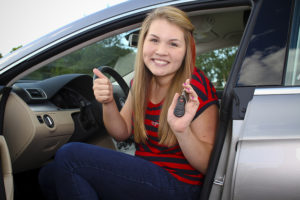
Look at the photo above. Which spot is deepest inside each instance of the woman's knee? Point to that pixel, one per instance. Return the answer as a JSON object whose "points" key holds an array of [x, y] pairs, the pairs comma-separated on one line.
{"points": [[68, 152]]}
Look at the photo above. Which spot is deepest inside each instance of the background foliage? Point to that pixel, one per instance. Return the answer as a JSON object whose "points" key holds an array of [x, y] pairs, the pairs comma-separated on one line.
{"points": [[217, 64]]}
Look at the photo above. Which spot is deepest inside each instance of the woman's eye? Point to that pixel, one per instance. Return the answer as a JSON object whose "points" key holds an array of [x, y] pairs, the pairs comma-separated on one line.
{"points": [[173, 44], [154, 40]]}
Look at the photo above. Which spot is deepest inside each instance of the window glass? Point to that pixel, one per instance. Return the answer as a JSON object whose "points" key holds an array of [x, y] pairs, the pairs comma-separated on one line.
{"points": [[217, 37], [217, 64], [264, 59], [115, 52], [292, 77]]}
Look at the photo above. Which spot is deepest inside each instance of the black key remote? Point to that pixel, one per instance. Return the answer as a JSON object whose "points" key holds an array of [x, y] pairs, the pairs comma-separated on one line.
{"points": [[180, 105]]}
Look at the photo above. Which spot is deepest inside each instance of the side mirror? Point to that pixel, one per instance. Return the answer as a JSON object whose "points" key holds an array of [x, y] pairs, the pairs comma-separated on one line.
{"points": [[133, 39]]}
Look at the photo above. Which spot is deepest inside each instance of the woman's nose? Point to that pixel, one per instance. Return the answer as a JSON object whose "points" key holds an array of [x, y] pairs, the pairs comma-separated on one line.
{"points": [[162, 49]]}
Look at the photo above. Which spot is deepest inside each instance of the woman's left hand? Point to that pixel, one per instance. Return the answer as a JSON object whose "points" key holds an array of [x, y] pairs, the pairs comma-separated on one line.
{"points": [[181, 124]]}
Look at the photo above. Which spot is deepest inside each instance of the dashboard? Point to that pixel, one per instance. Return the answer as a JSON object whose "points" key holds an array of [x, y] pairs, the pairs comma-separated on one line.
{"points": [[41, 116]]}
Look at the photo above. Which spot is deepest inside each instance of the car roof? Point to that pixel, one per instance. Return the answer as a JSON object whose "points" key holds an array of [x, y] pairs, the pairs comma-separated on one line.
{"points": [[123, 9]]}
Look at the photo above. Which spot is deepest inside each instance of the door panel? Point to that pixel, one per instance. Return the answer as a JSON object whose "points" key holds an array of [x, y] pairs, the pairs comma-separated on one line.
{"points": [[267, 164]]}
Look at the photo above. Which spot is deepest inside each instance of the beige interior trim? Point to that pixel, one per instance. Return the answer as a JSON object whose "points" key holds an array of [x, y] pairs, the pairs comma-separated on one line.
{"points": [[30, 142], [6, 169]]}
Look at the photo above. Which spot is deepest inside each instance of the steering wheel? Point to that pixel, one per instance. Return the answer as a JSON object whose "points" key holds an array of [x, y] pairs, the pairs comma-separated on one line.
{"points": [[105, 69], [116, 76]]}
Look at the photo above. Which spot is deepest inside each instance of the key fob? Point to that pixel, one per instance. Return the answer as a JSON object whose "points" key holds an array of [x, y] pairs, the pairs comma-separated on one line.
{"points": [[180, 105]]}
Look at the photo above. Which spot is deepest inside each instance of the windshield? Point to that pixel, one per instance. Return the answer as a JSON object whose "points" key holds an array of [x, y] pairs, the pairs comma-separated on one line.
{"points": [[115, 52]]}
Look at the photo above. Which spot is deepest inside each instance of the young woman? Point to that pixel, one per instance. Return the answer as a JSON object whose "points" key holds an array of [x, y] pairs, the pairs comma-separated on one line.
{"points": [[172, 152]]}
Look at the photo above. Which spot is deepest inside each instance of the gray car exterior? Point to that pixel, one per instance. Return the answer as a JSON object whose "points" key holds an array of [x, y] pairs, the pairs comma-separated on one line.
{"points": [[257, 148]]}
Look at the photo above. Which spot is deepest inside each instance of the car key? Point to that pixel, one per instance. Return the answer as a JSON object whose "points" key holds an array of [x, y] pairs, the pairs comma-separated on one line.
{"points": [[180, 105]]}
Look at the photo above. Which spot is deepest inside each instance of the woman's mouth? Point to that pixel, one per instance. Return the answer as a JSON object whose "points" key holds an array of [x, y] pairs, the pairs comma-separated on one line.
{"points": [[160, 62]]}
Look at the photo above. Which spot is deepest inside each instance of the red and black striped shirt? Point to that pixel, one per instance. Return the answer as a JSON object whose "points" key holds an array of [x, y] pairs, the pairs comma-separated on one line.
{"points": [[172, 158]]}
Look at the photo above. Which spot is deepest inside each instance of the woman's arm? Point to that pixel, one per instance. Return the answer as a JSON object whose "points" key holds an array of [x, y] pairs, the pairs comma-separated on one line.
{"points": [[195, 138], [118, 124]]}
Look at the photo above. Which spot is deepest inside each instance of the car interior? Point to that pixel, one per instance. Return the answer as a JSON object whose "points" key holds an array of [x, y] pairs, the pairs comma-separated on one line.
{"points": [[52, 103]]}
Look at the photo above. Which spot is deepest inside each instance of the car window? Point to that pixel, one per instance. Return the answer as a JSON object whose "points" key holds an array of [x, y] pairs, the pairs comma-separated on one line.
{"points": [[292, 77], [217, 64], [116, 52], [217, 36], [264, 59]]}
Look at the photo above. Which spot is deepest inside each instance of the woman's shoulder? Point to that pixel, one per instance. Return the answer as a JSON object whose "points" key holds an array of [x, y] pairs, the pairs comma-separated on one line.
{"points": [[203, 86], [199, 78], [205, 90]]}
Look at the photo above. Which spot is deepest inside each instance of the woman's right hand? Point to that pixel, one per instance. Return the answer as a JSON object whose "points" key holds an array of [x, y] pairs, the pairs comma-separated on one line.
{"points": [[103, 90]]}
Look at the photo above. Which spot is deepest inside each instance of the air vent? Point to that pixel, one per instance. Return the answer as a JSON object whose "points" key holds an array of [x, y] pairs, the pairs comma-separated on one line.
{"points": [[36, 93]]}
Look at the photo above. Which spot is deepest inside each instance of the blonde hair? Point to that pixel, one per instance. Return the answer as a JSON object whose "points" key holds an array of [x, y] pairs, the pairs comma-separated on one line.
{"points": [[143, 76]]}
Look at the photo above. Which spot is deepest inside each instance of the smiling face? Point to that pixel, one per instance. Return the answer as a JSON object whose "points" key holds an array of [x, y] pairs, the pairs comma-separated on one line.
{"points": [[164, 48]]}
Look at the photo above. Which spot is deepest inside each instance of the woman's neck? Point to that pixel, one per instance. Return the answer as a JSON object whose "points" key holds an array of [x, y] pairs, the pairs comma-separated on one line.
{"points": [[159, 88]]}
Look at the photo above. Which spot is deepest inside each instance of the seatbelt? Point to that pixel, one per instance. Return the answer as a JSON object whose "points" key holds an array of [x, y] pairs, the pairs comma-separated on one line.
{"points": [[5, 93]]}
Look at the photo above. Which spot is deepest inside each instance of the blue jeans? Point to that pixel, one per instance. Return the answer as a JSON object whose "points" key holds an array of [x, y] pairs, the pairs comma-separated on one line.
{"points": [[83, 171]]}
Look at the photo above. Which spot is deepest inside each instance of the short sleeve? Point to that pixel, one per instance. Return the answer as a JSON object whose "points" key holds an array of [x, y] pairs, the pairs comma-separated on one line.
{"points": [[206, 92]]}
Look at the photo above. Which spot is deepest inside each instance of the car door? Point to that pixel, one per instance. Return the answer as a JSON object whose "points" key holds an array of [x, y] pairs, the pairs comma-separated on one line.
{"points": [[262, 150]]}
